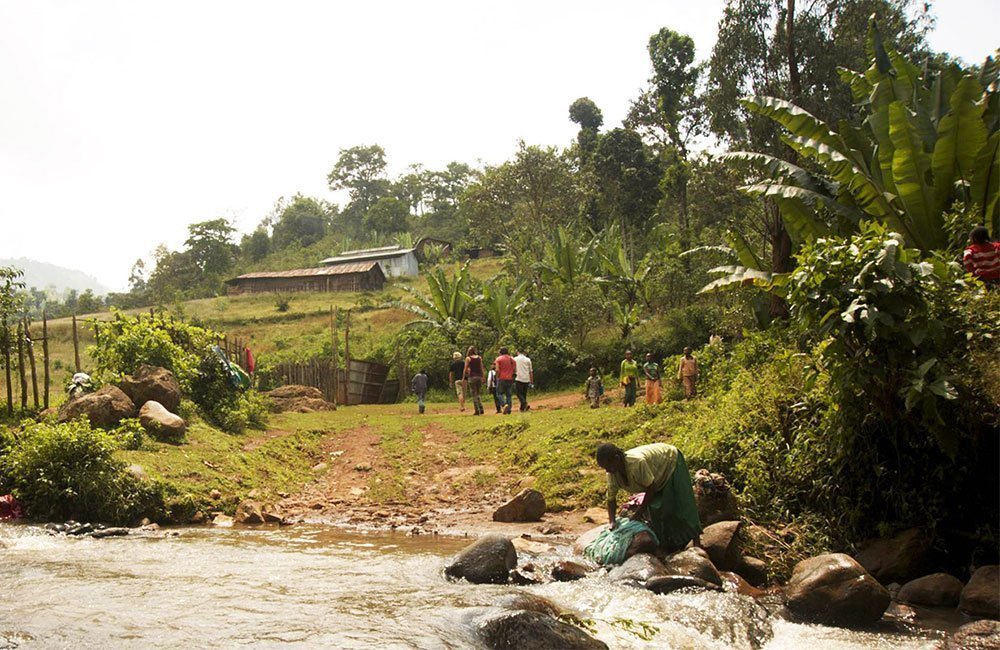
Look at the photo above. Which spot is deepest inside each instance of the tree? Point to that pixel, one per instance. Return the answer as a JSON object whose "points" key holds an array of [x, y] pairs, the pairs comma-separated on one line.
{"points": [[137, 277], [447, 303], [256, 245], [88, 303], [302, 222], [360, 170], [210, 246], [629, 177], [586, 113], [387, 216]]}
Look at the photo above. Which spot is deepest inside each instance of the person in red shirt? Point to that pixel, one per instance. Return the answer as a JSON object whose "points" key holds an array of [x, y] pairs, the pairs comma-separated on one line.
{"points": [[982, 256], [506, 367]]}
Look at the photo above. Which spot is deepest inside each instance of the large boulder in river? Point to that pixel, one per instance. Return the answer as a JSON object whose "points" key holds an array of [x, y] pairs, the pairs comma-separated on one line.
{"points": [[529, 629], [152, 383], [721, 542], [935, 590], [693, 562], [156, 419], [104, 408], [638, 569], [714, 497], [834, 589], [527, 505], [978, 635], [249, 512], [896, 559], [981, 597], [487, 560]]}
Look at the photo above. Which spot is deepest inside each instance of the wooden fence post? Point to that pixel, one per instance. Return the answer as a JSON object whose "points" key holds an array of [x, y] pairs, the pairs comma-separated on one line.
{"points": [[347, 357], [30, 344], [76, 345], [6, 356], [334, 312], [20, 366], [45, 357]]}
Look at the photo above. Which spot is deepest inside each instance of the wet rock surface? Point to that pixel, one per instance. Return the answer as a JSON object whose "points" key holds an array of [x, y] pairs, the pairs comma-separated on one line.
{"points": [[530, 629], [834, 589], [721, 542], [526, 505], [487, 560], [896, 559], [693, 562], [668, 584], [638, 569], [935, 590], [249, 512], [978, 635], [981, 596]]}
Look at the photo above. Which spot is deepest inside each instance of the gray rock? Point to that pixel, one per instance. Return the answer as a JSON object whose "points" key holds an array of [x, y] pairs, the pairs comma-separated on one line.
{"points": [[638, 569], [104, 408], [527, 629], [935, 590], [693, 562], [487, 560], [981, 596], [978, 635], [110, 532], [668, 584], [152, 383], [527, 505], [160, 422], [568, 570], [834, 589], [721, 542]]}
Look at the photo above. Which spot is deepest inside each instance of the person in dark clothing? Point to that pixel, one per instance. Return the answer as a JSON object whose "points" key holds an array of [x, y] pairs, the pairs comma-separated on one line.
{"points": [[473, 374], [419, 386], [456, 377]]}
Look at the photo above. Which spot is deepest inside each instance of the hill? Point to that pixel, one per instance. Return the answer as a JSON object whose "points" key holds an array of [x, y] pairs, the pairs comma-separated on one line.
{"points": [[43, 275]]}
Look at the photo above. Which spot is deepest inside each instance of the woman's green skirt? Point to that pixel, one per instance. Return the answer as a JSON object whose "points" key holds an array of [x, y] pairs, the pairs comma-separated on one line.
{"points": [[673, 513]]}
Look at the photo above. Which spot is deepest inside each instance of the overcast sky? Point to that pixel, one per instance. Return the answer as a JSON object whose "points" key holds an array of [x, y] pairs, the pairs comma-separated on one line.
{"points": [[122, 122]]}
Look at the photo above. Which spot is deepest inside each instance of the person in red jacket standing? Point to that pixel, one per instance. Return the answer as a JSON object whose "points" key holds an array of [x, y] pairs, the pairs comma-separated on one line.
{"points": [[506, 367], [982, 257]]}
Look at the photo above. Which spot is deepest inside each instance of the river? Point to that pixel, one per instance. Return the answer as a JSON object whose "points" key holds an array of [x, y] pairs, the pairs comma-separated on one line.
{"points": [[321, 587]]}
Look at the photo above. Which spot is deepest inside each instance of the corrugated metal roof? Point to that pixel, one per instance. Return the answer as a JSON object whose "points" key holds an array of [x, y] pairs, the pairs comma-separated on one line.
{"points": [[364, 251], [339, 269], [372, 254]]}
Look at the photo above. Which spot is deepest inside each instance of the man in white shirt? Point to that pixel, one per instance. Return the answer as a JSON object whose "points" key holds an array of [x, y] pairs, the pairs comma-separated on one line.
{"points": [[524, 378]]}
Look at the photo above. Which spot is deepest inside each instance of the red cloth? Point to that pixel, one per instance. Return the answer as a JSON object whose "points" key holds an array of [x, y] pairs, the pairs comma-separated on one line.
{"points": [[983, 260], [251, 364], [10, 508], [506, 367]]}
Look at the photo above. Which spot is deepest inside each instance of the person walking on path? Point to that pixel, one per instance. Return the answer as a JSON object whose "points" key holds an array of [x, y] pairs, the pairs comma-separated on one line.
{"points": [[419, 386], [491, 385], [982, 257], [456, 377], [524, 378], [629, 378], [473, 374], [594, 388], [651, 370], [661, 474], [687, 373], [506, 370]]}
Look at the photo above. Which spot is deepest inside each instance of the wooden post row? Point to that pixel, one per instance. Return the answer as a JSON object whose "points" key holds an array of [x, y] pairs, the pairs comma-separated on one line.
{"points": [[45, 357], [30, 345], [76, 345]]}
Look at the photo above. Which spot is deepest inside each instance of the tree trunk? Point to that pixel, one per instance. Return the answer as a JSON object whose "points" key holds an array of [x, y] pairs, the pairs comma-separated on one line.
{"points": [[795, 85], [781, 256]]}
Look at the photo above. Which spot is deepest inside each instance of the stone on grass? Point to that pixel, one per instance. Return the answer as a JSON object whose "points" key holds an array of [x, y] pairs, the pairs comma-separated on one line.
{"points": [[527, 505], [721, 542], [528, 629], [896, 559], [981, 596], [487, 560], [833, 589], [152, 383], [935, 590], [157, 420], [693, 562], [104, 408]]}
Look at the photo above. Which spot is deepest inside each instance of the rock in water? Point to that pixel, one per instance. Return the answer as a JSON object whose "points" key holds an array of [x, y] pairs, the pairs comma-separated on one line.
{"points": [[716, 501], [693, 562], [152, 383], [104, 408], [721, 542], [978, 635], [527, 505], [156, 419], [638, 569], [753, 570], [487, 560], [567, 570], [668, 584], [249, 512], [935, 590], [525, 629], [981, 597], [110, 532], [896, 559], [834, 589]]}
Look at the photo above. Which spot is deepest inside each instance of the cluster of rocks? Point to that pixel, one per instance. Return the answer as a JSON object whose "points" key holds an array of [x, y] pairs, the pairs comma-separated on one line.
{"points": [[298, 399], [84, 529], [151, 393], [250, 513]]}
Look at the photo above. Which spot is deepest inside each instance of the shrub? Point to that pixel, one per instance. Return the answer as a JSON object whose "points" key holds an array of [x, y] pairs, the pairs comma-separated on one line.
{"points": [[129, 433], [282, 302], [63, 471], [223, 405]]}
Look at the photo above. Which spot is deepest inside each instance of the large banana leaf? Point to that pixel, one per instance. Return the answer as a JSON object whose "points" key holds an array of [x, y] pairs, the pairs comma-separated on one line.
{"points": [[797, 121], [985, 187], [861, 86], [911, 167], [743, 250], [961, 138], [778, 168], [742, 276]]}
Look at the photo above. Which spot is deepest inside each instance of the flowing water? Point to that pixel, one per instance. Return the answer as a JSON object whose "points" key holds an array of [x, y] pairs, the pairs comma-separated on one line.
{"points": [[320, 587]]}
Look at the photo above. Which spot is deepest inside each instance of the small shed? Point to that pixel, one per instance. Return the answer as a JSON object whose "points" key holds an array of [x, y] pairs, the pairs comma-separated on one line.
{"points": [[357, 276], [395, 261]]}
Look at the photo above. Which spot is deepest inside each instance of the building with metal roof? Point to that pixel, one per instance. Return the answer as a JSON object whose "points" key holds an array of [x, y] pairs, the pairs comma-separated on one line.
{"points": [[354, 276], [395, 261]]}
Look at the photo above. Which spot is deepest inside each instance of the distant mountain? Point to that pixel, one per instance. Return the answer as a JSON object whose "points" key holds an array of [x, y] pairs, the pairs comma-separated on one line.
{"points": [[43, 275]]}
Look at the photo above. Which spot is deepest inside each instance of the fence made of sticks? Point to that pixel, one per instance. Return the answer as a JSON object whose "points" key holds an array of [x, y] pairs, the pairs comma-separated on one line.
{"points": [[19, 343]]}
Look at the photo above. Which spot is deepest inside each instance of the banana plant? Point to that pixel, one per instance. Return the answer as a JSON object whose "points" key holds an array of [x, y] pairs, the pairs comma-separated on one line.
{"points": [[447, 303], [500, 303], [567, 258], [929, 140]]}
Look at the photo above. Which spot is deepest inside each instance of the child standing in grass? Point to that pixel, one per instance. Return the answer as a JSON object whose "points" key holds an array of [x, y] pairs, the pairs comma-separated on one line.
{"points": [[419, 386], [594, 388]]}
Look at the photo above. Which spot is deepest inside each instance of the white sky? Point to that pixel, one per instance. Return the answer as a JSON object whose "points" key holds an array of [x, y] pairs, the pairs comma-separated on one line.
{"points": [[122, 122]]}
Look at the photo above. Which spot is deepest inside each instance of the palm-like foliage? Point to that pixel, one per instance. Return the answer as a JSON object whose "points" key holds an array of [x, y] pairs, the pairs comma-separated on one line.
{"points": [[929, 140], [447, 303], [618, 270], [567, 258], [500, 303]]}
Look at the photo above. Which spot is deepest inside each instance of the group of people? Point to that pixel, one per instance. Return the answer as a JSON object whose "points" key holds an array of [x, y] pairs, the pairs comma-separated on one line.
{"points": [[508, 376], [631, 372]]}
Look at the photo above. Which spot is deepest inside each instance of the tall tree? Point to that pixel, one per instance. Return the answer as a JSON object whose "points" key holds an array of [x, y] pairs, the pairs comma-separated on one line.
{"points": [[303, 222], [210, 246], [361, 171]]}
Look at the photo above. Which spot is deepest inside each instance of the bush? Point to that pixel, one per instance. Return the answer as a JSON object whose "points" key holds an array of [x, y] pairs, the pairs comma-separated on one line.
{"points": [[223, 405], [69, 471]]}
